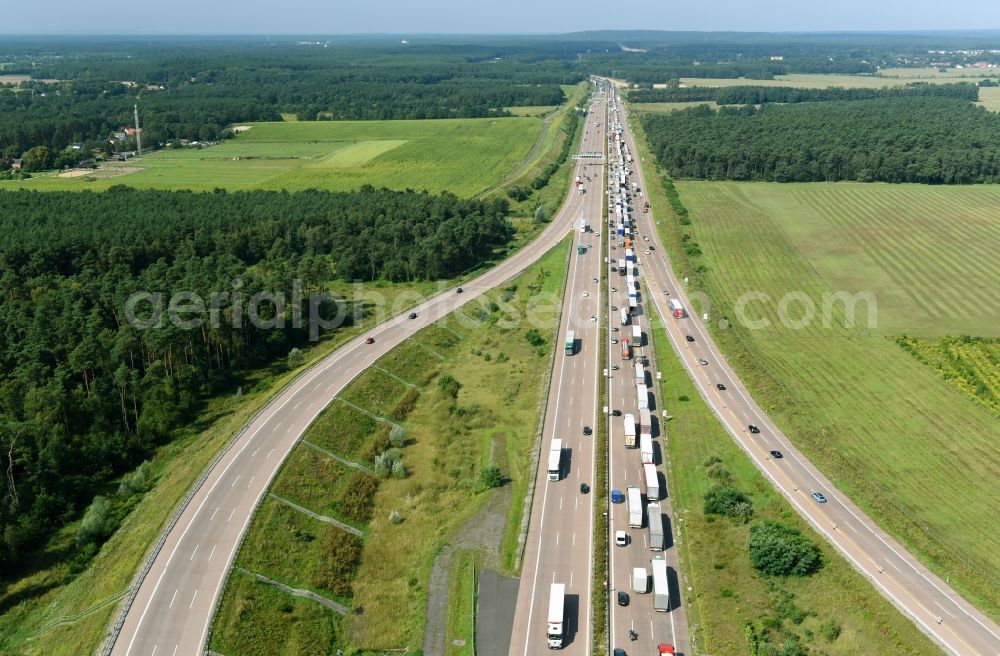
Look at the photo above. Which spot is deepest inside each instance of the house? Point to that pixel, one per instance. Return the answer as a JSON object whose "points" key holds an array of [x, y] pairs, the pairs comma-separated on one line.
{"points": [[76, 146], [16, 165], [132, 131], [154, 87], [118, 137]]}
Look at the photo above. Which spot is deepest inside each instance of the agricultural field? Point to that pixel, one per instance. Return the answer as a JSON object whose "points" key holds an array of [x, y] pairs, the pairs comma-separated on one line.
{"points": [[464, 156], [816, 81], [665, 107], [448, 420], [913, 450], [726, 590], [528, 110]]}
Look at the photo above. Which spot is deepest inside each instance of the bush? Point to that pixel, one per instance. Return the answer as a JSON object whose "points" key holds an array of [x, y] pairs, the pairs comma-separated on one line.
{"points": [[449, 386], [718, 473], [540, 215], [395, 517], [534, 338], [830, 630], [399, 469], [726, 500], [138, 482], [397, 436], [97, 524], [491, 476], [295, 358], [781, 550]]}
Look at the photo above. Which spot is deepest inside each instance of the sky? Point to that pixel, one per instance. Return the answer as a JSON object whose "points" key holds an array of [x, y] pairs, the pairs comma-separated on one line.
{"points": [[484, 17]]}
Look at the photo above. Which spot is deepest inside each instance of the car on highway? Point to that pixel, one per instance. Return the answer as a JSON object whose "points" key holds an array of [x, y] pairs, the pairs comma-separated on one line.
{"points": [[753, 429], [616, 413], [614, 367], [652, 248], [702, 361], [720, 387], [587, 430], [596, 280], [614, 340], [622, 598], [614, 329], [776, 454], [593, 318], [817, 496], [689, 338], [584, 488], [613, 289], [370, 340], [614, 308], [413, 315], [458, 291], [617, 496], [619, 652], [586, 294], [647, 251], [621, 538], [663, 648]]}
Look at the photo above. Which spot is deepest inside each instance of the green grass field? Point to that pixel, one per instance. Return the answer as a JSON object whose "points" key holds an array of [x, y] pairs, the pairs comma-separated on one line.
{"points": [[464, 156], [448, 440], [539, 110], [667, 107], [816, 81], [726, 590], [912, 450]]}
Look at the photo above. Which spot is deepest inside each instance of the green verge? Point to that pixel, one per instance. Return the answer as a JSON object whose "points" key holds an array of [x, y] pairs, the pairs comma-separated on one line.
{"points": [[725, 590], [451, 433], [461, 606]]}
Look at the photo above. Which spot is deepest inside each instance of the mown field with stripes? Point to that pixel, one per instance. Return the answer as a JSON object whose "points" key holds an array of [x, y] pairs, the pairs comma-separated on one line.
{"points": [[912, 448]]}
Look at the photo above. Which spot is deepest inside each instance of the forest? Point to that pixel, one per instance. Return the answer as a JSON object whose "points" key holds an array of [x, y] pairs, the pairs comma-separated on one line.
{"points": [[929, 140], [86, 394], [758, 95]]}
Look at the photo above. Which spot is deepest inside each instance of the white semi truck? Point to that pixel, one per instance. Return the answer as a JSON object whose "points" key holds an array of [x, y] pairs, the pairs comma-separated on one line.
{"points": [[652, 482], [557, 615], [634, 496], [661, 587], [645, 423], [646, 449], [640, 580], [630, 431], [655, 527], [555, 459], [643, 392]]}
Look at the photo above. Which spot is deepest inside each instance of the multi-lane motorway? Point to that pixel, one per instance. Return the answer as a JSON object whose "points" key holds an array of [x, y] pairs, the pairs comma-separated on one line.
{"points": [[175, 599], [936, 608]]}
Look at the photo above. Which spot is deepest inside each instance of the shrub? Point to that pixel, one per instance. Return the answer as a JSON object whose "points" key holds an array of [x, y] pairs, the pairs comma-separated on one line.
{"points": [[395, 517], [830, 630], [295, 358], [491, 476], [718, 473], [137, 482], [397, 436], [725, 500], [781, 550], [449, 386], [399, 469], [534, 338], [98, 522]]}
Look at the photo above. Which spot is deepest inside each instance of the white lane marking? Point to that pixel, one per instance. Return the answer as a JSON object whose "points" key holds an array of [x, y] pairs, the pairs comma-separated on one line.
{"points": [[193, 597], [557, 539], [296, 406], [175, 650], [894, 566], [213, 514], [251, 481], [154, 650], [231, 516], [211, 554], [255, 452], [574, 538], [268, 454], [174, 596], [194, 552], [234, 480], [330, 386], [944, 609], [276, 427]]}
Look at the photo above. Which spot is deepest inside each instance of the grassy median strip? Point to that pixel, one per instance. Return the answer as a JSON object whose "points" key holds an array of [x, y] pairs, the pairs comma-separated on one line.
{"points": [[460, 630], [462, 395]]}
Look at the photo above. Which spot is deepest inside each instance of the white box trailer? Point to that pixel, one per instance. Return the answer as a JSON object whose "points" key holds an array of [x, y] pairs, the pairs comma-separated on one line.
{"points": [[643, 393], [623, 315], [640, 580], [652, 482], [634, 497], [661, 587], [640, 373], [555, 459], [646, 449], [645, 423], [630, 431], [636, 335], [655, 527], [557, 615]]}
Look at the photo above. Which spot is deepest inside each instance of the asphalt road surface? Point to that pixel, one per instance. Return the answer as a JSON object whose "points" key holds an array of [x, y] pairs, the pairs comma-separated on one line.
{"points": [[626, 469], [175, 601], [559, 545], [934, 606]]}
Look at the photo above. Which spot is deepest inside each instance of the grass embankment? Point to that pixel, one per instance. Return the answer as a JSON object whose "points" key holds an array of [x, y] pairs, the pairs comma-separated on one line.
{"points": [[467, 392], [460, 629], [913, 451], [464, 156], [726, 591]]}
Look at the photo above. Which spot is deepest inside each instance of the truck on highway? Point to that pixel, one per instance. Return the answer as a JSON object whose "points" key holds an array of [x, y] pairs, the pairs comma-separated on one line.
{"points": [[652, 482], [555, 459], [633, 304], [570, 342], [626, 348], [630, 431], [623, 315], [645, 423], [643, 393], [634, 496], [621, 267], [661, 587], [676, 308], [557, 615], [578, 181], [640, 373], [655, 527], [640, 580], [636, 335], [646, 449], [583, 225], [629, 255]]}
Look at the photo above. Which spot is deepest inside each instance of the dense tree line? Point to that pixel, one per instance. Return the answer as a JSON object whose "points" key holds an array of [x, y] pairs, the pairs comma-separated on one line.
{"points": [[922, 139], [86, 393], [758, 95]]}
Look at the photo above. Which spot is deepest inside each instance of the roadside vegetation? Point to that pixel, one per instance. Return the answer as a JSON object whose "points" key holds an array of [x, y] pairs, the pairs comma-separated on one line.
{"points": [[458, 406], [796, 596], [854, 402]]}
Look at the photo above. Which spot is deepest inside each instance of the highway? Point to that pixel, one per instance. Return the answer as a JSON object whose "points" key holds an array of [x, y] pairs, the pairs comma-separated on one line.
{"points": [[559, 544], [625, 466], [175, 598], [931, 603]]}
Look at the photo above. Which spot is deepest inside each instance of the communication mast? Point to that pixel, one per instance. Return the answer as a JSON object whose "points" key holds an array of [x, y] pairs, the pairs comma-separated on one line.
{"points": [[138, 134]]}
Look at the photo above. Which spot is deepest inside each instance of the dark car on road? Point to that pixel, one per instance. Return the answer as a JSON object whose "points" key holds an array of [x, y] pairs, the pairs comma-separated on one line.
{"points": [[584, 488], [689, 338], [622, 598], [753, 429], [720, 387], [587, 430], [776, 454], [413, 315], [370, 340]]}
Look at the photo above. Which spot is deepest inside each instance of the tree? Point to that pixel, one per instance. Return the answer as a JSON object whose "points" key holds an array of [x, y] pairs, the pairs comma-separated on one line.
{"points": [[534, 338], [726, 500], [540, 215], [449, 386], [38, 158], [97, 523], [780, 550]]}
